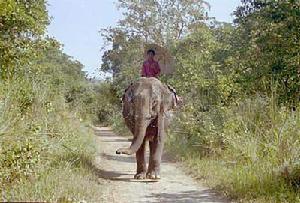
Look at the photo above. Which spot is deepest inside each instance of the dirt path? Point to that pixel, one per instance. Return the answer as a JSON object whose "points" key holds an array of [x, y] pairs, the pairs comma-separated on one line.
{"points": [[117, 172]]}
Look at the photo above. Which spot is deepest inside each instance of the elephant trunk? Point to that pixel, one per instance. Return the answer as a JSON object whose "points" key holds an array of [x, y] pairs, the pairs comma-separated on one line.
{"points": [[142, 120], [139, 135]]}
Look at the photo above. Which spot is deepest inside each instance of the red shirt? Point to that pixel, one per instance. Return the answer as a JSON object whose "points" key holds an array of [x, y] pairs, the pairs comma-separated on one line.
{"points": [[150, 69]]}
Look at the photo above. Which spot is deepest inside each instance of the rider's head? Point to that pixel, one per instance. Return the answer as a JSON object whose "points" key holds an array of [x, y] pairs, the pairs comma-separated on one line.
{"points": [[150, 54]]}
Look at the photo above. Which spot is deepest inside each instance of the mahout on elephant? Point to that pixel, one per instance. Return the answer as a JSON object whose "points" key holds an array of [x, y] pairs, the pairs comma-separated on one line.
{"points": [[147, 104]]}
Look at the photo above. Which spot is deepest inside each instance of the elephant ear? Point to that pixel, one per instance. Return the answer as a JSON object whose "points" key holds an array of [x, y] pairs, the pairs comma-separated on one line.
{"points": [[170, 98], [128, 94], [174, 101]]}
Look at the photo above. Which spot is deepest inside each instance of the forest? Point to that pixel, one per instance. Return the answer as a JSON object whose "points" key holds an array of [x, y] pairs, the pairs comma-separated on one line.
{"points": [[238, 129]]}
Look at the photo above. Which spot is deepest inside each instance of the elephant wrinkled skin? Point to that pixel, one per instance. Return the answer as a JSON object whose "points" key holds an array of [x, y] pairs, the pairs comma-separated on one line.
{"points": [[146, 104]]}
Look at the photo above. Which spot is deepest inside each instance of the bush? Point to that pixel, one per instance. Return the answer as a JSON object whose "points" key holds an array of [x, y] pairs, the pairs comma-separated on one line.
{"points": [[257, 155], [39, 139]]}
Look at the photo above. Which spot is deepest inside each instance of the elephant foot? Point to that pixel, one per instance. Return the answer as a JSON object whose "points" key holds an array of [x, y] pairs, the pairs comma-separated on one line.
{"points": [[124, 151], [153, 175], [140, 176]]}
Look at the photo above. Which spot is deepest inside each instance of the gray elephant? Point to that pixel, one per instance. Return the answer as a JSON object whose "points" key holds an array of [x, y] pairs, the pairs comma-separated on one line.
{"points": [[146, 104]]}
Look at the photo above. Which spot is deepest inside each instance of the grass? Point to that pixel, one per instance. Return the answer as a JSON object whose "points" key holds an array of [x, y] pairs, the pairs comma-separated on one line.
{"points": [[118, 125], [47, 151], [70, 176], [258, 160], [245, 183], [63, 184]]}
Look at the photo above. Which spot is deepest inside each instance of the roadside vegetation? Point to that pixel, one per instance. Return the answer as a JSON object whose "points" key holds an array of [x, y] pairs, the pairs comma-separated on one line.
{"points": [[46, 106], [239, 127]]}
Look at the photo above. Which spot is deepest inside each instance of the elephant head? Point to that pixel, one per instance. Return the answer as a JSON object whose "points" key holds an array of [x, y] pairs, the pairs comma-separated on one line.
{"points": [[144, 101]]}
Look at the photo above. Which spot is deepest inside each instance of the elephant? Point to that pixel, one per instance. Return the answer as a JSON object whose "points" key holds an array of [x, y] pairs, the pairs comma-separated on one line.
{"points": [[146, 107]]}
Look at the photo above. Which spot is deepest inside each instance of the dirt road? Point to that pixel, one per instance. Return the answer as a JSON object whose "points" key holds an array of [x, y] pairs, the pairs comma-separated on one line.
{"points": [[117, 172]]}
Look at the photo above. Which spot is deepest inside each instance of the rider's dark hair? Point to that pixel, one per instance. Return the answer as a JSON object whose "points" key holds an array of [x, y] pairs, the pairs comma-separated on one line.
{"points": [[151, 51]]}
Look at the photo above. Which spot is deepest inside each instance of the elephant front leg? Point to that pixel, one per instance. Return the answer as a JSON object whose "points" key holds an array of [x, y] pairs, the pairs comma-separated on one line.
{"points": [[156, 149], [141, 162]]}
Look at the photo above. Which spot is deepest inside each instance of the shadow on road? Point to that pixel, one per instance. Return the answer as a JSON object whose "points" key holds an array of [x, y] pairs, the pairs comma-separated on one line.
{"points": [[186, 196], [110, 175], [120, 158], [117, 140], [116, 176], [105, 133]]}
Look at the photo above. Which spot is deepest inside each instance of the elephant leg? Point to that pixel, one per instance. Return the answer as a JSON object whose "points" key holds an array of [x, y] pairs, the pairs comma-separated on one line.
{"points": [[152, 146], [141, 162], [156, 149]]}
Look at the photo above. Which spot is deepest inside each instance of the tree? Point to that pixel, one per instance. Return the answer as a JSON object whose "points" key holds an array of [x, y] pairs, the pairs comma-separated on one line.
{"points": [[161, 21], [268, 59], [22, 24]]}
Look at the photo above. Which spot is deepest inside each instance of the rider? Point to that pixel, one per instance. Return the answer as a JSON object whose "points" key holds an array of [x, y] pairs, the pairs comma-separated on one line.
{"points": [[150, 66]]}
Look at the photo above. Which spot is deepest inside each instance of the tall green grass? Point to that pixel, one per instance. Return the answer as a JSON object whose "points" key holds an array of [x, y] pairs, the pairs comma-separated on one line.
{"points": [[256, 156], [46, 150]]}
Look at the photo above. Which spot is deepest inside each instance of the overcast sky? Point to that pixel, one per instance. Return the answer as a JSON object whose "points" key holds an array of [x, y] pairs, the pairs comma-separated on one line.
{"points": [[76, 24]]}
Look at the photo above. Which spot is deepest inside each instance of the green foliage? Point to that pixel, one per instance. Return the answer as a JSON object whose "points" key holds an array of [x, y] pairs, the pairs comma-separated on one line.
{"points": [[123, 61], [65, 170], [22, 25], [34, 121], [259, 158], [269, 54], [19, 160], [161, 21], [44, 97]]}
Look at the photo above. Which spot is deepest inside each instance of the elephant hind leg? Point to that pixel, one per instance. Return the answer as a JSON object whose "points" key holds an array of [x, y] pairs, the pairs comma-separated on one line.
{"points": [[141, 161], [156, 147]]}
